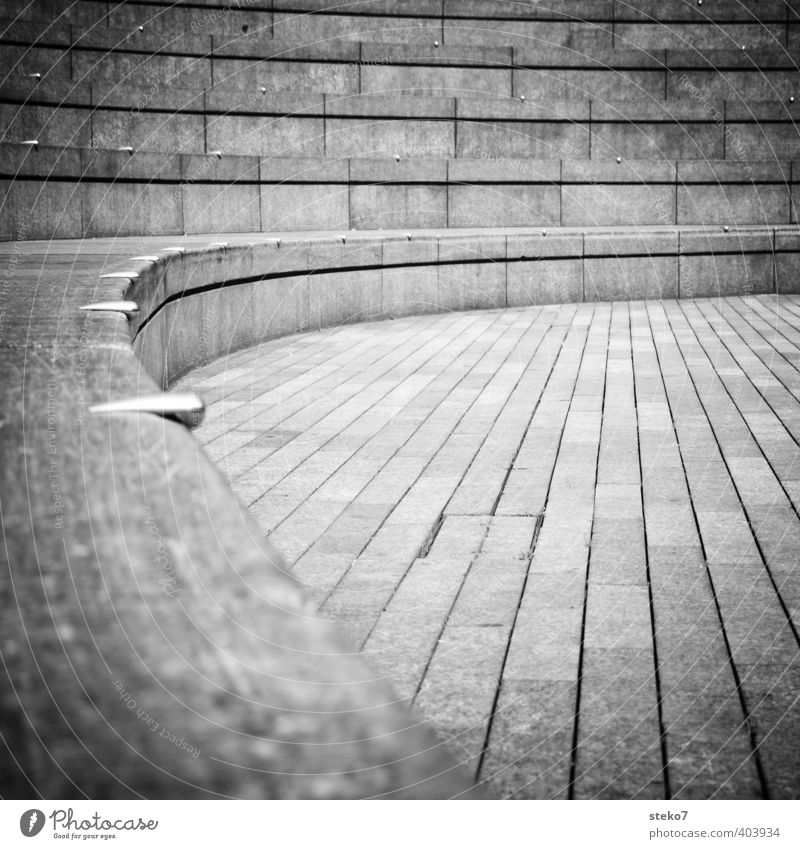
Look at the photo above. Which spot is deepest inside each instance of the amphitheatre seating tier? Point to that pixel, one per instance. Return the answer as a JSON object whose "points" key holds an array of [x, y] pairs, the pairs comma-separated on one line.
{"points": [[74, 192], [255, 170], [249, 122], [574, 24], [356, 67]]}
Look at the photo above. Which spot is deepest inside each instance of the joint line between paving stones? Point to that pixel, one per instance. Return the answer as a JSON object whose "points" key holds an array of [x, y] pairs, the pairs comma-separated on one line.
{"points": [[690, 324], [362, 357], [552, 472], [374, 436], [748, 714], [463, 476], [495, 702], [530, 421], [539, 521], [433, 354], [573, 755], [279, 364], [411, 436], [750, 523], [662, 734], [368, 344], [490, 718], [757, 318], [752, 350], [395, 353], [790, 304], [469, 466], [483, 540], [762, 319], [428, 544], [755, 311], [784, 305]]}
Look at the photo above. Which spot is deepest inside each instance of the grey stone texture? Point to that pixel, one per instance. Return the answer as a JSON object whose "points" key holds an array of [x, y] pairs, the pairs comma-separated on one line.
{"points": [[562, 530]]}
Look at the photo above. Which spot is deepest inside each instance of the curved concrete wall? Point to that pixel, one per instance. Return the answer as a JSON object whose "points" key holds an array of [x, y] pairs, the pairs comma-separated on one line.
{"points": [[152, 643], [209, 301]]}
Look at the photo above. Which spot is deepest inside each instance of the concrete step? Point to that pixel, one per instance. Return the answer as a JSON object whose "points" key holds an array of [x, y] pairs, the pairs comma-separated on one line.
{"points": [[72, 193], [273, 122], [553, 73], [573, 24], [273, 99], [535, 52], [87, 12], [321, 36]]}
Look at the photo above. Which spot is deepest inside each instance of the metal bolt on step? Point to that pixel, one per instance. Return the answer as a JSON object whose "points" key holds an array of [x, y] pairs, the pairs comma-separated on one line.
{"points": [[184, 407], [127, 307], [120, 275]]}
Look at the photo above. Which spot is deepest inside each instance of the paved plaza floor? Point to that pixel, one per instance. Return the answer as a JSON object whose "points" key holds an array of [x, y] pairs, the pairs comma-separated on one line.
{"points": [[568, 534]]}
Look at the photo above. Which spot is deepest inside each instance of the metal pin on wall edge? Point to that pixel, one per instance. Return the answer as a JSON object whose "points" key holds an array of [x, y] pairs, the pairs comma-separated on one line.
{"points": [[184, 407], [127, 307]]}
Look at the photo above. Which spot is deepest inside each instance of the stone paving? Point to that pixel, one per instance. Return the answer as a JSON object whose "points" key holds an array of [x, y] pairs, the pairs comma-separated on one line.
{"points": [[568, 534]]}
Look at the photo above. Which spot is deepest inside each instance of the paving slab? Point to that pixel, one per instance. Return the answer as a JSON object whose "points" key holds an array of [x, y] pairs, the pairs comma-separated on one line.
{"points": [[570, 540]]}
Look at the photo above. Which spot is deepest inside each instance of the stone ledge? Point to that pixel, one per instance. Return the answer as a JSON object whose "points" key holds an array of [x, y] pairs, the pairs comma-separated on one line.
{"points": [[258, 275], [231, 99], [211, 641], [348, 51], [74, 193]]}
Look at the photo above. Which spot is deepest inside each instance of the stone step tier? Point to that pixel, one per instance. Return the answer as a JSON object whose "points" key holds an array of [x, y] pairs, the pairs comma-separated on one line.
{"points": [[70, 193], [584, 24], [268, 123], [347, 67]]}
